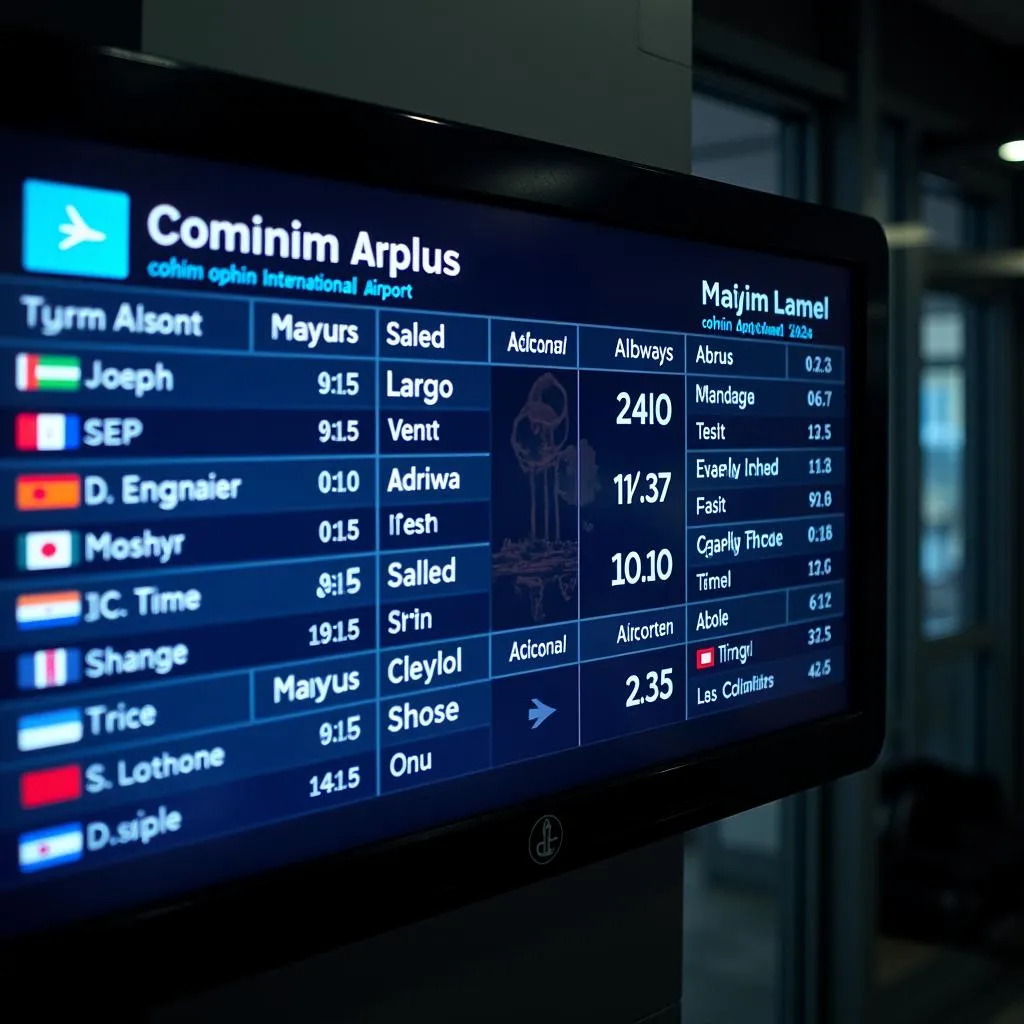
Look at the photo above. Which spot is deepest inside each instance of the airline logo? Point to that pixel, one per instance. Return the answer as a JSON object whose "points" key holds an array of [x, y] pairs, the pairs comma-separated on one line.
{"points": [[40, 492], [74, 230], [54, 666], [48, 549], [50, 786], [50, 847], [705, 657], [34, 372], [46, 432], [50, 729], [47, 611]]}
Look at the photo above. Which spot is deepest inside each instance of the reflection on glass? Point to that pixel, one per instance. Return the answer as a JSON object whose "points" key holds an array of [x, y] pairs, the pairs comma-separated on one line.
{"points": [[731, 931], [942, 436], [943, 329], [949, 720], [731, 921], [736, 145], [945, 211]]}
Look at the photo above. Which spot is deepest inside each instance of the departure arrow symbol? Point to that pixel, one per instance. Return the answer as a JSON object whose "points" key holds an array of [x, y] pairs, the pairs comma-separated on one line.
{"points": [[540, 713]]}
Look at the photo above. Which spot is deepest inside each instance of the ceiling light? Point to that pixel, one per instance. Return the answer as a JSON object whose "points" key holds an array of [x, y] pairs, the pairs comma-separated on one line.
{"points": [[1013, 152]]}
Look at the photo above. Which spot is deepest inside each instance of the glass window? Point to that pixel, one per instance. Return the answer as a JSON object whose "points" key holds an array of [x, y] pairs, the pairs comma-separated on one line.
{"points": [[950, 711], [945, 211], [944, 329], [886, 205], [732, 923], [942, 437], [736, 145]]}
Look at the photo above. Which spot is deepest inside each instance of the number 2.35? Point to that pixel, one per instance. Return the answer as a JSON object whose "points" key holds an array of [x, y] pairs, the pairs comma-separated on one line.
{"points": [[658, 687]]}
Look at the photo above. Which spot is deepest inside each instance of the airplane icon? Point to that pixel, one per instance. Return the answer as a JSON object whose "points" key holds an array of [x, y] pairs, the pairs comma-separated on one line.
{"points": [[77, 231], [58, 218]]}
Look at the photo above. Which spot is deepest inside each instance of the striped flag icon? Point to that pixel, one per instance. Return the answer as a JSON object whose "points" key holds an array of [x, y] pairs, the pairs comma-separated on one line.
{"points": [[48, 610], [48, 729], [50, 847], [35, 372], [54, 666], [47, 431]]}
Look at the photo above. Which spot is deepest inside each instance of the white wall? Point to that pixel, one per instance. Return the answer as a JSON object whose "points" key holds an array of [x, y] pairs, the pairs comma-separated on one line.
{"points": [[610, 76]]}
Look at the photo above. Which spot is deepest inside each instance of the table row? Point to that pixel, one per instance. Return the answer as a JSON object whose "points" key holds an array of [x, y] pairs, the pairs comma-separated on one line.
{"points": [[287, 686], [714, 564], [550, 414], [133, 491], [309, 535], [129, 316], [94, 755]]}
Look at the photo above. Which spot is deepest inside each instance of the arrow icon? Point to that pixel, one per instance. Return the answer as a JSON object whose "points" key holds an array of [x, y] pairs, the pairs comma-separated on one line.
{"points": [[540, 713]]}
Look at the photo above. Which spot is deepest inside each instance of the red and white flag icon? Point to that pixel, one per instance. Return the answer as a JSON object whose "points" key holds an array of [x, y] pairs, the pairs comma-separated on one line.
{"points": [[705, 657]]}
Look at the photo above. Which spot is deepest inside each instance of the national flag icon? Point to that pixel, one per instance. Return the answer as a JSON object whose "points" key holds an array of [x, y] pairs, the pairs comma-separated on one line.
{"points": [[47, 549], [34, 372], [47, 431], [705, 657], [38, 492], [50, 786], [49, 729], [55, 666], [45, 611], [50, 847]]}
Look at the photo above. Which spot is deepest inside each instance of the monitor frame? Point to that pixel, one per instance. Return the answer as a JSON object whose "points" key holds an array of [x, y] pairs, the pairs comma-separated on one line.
{"points": [[281, 916]]}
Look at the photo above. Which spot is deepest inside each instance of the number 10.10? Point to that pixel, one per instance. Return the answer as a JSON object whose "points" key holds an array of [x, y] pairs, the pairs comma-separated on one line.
{"points": [[633, 567]]}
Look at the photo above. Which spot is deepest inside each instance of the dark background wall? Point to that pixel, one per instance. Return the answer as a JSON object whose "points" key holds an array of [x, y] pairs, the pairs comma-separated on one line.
{"points": [[110, 23]]}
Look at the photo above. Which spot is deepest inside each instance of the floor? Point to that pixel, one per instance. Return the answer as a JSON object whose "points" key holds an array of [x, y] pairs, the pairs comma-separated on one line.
{"points": [[730, 951], [1013, 1014], [731, 962]]}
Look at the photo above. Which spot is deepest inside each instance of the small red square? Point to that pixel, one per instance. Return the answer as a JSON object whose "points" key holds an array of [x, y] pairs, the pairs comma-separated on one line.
{"points": [[705, 657]]}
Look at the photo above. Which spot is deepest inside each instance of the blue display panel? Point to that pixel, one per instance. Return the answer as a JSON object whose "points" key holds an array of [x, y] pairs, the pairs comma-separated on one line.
{"points": [[314, 495]]}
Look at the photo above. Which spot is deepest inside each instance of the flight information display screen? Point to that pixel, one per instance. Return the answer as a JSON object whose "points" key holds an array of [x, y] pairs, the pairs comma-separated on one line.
{"points": [[329, 513]]}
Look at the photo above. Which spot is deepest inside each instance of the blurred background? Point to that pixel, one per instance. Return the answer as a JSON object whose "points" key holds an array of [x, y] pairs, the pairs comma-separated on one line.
{"points": [[897, 892]]}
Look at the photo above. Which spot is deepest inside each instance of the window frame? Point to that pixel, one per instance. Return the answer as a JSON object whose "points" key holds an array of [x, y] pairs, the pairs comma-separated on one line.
{"points": [[982, 642]]}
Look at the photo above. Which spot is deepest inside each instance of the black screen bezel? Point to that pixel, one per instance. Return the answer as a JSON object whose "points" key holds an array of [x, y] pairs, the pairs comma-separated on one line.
{"points": [[59, 88]]}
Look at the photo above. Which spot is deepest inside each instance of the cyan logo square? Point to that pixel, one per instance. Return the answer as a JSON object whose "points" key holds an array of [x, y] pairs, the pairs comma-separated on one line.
{"points": [[72, 229]]}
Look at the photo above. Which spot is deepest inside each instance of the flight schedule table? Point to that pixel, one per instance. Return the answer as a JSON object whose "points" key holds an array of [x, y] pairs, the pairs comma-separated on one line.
{"points": [[269, 555]]}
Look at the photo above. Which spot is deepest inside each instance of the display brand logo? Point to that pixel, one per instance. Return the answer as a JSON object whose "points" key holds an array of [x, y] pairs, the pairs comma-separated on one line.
{"points": [[546, 838], [74, 230]]}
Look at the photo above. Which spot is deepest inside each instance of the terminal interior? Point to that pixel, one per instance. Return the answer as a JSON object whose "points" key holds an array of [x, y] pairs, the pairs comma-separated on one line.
{"points": [[893, 896]]}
